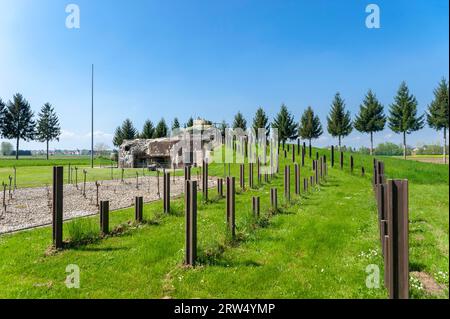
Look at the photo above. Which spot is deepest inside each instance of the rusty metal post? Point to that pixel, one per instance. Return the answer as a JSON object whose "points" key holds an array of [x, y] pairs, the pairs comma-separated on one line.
{"points": [[398, 247], [256, 206], [351, 163], [332, 155], [190, 199], [138, 209], [250, 175], [166, 192], [287, 184], [104, 217], [220, 187], [231, 205], [297, 178], [57, 207], [187, 172], [274, 198], [242, 176]]}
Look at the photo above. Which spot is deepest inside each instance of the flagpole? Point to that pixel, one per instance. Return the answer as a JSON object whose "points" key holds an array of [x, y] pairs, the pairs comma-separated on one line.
{"points": [[92, 119]]}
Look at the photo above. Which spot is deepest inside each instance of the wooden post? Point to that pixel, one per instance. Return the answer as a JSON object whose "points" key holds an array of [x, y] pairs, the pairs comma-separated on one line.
{"points": [[259, 171], [311, 181], [316, 174], [166, 192], [256, 206], [137, 180], [138, 209], [298, 146], [398, 248], [303, 155], [104, 217], [121, 175], [231, 205], [190, 199], [305, 185], [157, 184], [297, 179], [287, 184], [293, 153], [57, 206], [76, 177], [363, 171], [274, 198], [341, 161]]}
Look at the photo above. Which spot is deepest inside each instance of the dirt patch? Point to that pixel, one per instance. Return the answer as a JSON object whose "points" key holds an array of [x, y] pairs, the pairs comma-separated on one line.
{"points": [[429, 284]]}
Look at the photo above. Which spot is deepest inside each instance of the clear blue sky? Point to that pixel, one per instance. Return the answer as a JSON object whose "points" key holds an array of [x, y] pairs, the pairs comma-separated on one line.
{"points": [[212, 59]]}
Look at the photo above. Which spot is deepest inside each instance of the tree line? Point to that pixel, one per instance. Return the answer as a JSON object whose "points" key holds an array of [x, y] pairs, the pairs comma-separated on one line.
{"points": [[403, 119], [17, 122]]}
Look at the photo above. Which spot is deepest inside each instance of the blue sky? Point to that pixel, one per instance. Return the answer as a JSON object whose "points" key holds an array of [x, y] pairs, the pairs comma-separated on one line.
{"points": [[157, 59]]}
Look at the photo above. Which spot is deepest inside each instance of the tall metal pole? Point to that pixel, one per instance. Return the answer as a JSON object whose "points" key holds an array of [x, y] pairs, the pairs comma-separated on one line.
{"points": [[92, 120]]}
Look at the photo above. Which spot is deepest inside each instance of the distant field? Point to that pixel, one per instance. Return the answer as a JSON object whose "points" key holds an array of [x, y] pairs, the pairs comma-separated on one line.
{"points": [[9, 162], [436, 159]]}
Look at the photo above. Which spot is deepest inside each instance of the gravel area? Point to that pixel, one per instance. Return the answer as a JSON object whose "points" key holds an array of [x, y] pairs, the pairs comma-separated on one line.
{"points": [[31, 207]]}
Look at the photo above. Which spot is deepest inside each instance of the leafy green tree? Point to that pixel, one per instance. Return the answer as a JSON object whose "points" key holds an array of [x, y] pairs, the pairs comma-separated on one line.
{"points": [[175, 124], [161, 129], [284, 122], [403, 114], [339, 120], [438, 112], [310, 127], [389, 149], [125, 132], [239, 122], [261, 121], [18, 121], [48, 128], [148, 131], [371, 117]]}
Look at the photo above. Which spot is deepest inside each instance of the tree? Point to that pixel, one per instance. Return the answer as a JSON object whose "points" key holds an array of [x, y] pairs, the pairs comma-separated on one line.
{"points": [[117, 139], [339, 121], [261, 121], [222, 127], [148, 131], [125, 132], [175, 124], [2, 116], [284, 122], [6, 148], [310, 127], [18, 121], [403, 114], [438, 112], [190, 123], [239, 122], [371, 117], [101, 148], [48, 128], [161, 129]]}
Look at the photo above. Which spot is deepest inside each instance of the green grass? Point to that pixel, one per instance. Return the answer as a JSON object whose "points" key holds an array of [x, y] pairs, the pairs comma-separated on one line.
{"points": [[318, 247], [38, 172]]}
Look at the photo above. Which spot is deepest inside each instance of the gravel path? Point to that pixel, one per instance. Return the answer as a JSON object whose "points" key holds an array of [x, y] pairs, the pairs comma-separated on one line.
{"points": [[31, 207]]}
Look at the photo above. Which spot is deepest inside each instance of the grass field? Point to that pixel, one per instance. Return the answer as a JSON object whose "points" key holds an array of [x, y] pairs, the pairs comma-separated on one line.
{"points": [[37, 172], [317, 247]]}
